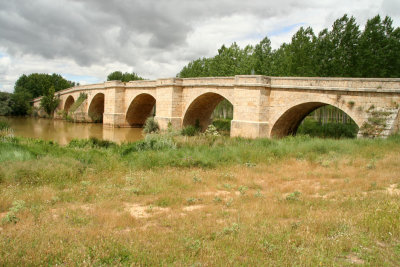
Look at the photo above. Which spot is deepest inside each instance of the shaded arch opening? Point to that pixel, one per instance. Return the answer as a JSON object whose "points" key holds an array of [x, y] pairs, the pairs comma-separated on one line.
{"points": [[96, 108], [209, 108], [141, 107], [316, 119], [68, 103]]}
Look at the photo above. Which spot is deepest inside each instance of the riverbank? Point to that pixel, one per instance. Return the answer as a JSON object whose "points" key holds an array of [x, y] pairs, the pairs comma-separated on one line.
{"points": [[200, 200]]}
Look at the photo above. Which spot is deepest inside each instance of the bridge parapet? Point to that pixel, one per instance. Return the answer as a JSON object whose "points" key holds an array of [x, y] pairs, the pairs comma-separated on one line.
{"points": [[339, 84], [262, 105]]}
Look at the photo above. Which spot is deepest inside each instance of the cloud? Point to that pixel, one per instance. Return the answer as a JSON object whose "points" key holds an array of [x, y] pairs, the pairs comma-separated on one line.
{"points": [[91, 38]]}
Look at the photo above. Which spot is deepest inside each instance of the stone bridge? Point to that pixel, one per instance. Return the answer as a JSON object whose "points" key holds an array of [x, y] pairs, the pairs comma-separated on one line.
{"points": [[262, 106]]}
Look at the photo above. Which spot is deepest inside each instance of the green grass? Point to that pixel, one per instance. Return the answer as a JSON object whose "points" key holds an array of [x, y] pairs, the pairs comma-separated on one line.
{"points": [[202, 200]]}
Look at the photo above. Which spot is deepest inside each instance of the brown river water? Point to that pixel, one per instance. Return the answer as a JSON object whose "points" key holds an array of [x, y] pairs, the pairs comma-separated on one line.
{"points": [[63, 132]]}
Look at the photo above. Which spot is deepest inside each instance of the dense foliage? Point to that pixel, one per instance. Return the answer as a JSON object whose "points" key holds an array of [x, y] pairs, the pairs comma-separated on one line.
{"points": [[37, 84], [49, 101], [123, 77], [28, 87], [5, 104], [342, 51]]}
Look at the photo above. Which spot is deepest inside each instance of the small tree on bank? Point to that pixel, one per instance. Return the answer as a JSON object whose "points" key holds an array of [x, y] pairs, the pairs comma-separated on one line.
{"points": [[49, 101]]}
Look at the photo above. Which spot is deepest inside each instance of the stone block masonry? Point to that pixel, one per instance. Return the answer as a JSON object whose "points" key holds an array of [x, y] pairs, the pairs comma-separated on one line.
{"points": [[262, 106]]}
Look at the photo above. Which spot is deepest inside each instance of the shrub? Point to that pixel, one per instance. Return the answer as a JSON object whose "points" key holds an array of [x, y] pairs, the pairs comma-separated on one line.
{"points": [[4, 125], [82, 97], [293, 196], [190, 130], [222, 124], [150, 142], [151, 126], [329, 130], [211, 131], [11, 216], [92, 142], [5, 130]]}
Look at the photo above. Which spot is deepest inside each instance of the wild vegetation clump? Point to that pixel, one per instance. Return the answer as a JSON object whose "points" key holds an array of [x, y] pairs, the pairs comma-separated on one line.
{"points": [[151, 126], [82, 97], [5, 130], [91, 143], [190, 130], [328, 130], [49, 101]]}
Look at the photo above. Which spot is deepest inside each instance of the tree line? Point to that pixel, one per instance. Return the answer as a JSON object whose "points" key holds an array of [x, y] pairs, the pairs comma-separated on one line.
{"points": [[343, 51], [27, 87]]}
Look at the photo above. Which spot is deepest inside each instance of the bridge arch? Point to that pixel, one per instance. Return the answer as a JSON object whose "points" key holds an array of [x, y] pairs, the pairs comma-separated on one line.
{"points": [[68, 103], [96, 108], [201, 108], [287, 122], [140, 109]]}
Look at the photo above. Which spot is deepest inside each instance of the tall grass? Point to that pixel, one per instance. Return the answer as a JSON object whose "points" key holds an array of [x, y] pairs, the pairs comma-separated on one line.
{"points": [[202, 200]]}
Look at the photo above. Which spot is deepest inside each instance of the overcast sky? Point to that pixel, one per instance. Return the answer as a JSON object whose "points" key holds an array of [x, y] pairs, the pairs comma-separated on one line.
{"points": [[85, 40]]}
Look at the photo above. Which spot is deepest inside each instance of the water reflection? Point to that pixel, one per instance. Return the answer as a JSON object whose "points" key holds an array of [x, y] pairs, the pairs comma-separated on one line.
{"points": [[63, 132]]}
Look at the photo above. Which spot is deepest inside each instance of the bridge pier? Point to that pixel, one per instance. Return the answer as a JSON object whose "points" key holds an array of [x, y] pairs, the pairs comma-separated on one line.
{"points": [[169, 103], [114, 104], [250, 113], [262, 106]]}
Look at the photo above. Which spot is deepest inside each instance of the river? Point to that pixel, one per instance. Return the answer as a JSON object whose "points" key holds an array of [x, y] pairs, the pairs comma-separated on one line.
{"points": [[63, 132]]}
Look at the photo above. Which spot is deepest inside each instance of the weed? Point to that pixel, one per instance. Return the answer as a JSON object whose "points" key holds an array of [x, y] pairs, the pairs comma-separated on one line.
{"points": [[196, 179], [151, 126], [351, 104], [233, 229], [242, 189], [192, 200], [211, 131], [217, 199], [293, 196], [258, 194], [193, 245], [229, 202], [190, 130], [11, 216], [82, 97]]}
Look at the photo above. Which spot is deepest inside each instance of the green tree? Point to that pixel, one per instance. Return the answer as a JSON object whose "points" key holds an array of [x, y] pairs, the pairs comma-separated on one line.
{"points": [[37, 84], [123, 77], [344, 36], [5, 104], [302, 53], [21, 103], [50, 101], [380, 49], [263, 57], [342, 51]]}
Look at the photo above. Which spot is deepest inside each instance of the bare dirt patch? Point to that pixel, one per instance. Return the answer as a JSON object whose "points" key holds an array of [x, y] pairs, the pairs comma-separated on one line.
{"points": [[354, 259], [393, 190], [193, 207], [216, 193], [140, 211]]}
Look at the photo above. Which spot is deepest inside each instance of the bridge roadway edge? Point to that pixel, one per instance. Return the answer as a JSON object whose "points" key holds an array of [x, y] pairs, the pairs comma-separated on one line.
{"points": [[259, 101]]}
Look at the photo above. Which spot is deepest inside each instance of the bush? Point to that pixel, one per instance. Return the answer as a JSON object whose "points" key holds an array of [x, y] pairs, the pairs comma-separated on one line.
{"points": [[5, 130], [222, 124], [150, 142], [190, 130], [211, 131], [92, 142], [328, 130], [4, 125], [151, 126], [82, 97]]}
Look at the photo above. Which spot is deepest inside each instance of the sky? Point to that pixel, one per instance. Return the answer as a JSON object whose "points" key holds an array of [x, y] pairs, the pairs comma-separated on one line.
{"points": [[85, 40]]}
